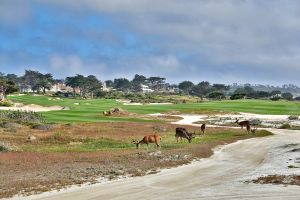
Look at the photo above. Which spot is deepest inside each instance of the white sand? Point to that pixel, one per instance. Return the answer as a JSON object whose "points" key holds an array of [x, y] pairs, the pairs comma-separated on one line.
{"points": [[160, 103], [132, 104], [33, 107]]}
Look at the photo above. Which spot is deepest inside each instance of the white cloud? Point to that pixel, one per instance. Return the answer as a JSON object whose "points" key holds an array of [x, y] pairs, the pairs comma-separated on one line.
{"points": [[73, 64], [13, 12], [225, 38]]}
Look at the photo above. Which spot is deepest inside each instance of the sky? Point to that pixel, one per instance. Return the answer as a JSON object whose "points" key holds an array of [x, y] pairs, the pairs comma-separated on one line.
{"points": [[221, 41]]}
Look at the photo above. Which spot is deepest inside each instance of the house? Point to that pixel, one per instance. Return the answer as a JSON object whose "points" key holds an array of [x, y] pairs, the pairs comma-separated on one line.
{"points": [[146, 89], [173, 89], [105, 88], [61, 87]]}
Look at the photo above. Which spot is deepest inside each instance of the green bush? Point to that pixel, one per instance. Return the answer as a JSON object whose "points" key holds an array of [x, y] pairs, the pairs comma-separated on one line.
{"points": [[276, 98], [293, 117], [5, 103], [5, 147], [285, 126], [25, 117]]}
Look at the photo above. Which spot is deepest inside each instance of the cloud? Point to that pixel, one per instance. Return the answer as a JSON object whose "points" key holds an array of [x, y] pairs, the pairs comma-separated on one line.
{"points": [[14, 12], [72, 64], [225, 41]]}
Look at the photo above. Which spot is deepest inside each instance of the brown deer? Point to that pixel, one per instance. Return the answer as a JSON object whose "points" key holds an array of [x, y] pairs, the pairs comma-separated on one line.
{"points": [[148, 139], [242, 123], [248, 127], [183, 133], [203, 127], [253, 131]]}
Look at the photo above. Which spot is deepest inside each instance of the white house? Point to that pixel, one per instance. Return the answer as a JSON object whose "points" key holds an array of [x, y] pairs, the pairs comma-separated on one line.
{"points": [[61, 87], [146, 89]]}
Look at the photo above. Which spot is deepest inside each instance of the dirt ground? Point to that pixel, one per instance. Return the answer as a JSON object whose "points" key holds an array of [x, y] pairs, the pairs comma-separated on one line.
{"points": [[28, 171], [221, 176]]}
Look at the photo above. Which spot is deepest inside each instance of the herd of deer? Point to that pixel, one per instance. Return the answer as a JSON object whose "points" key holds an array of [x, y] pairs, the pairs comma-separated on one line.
{"points": [[181, 132]]}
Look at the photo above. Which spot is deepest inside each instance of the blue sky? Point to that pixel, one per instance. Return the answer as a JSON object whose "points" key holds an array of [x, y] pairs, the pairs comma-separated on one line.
{"points": [[244, 41]]}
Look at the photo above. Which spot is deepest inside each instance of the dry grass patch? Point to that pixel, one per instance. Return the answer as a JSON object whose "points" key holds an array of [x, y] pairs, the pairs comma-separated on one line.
{"points": [[70, 154]]}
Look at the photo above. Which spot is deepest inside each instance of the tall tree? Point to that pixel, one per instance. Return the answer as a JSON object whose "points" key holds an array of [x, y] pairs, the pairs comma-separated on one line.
{"points": [[77, 81], [156, 82], [45, 82], [93, 85], [6, 87], [109, 83], [220, 87], [30, 80], [202, 89], [186, 86], [136, 83], [122, 84], [287, 96]]}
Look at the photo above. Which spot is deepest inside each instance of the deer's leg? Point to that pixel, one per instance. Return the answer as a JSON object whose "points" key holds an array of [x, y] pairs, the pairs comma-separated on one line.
{"points": [[157, 144]]}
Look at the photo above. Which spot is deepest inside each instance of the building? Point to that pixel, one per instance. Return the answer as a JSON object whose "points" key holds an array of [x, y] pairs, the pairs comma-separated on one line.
{"points": [[61, 87], [146, 89]]}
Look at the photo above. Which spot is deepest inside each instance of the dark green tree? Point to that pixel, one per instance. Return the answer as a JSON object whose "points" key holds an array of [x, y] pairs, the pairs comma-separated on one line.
{"points": [[186, 86], [156, 83], [136, 83], [6, 87], [202, 89], [287, 96], [122, 84]]}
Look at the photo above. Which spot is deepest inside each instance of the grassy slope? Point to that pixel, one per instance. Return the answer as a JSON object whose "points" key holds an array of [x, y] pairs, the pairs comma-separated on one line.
{"points": [[91, 110]]}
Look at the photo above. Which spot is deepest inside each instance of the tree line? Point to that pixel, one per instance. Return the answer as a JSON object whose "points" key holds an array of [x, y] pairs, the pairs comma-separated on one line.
{"points": [[90, 86]]}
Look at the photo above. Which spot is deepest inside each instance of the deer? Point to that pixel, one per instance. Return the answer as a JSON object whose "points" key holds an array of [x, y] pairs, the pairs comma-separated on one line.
{"points": [[203, 127], [253, 131], [248, 127], [242, 123], [148, 139], [183, 133]]}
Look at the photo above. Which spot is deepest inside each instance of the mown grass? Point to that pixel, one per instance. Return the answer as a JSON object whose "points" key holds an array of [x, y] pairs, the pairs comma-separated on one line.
{"points": [[91, 110]]}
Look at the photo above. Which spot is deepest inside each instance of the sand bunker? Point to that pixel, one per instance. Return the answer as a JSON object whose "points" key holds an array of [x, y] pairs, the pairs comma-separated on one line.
{"points": [[33, 108]]}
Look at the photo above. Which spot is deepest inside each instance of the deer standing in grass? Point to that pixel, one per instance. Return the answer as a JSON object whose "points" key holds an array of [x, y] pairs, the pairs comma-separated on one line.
{"points": [[183, 133], [253, 130], [248, 127], [148, 139], [243, 123], [203, 128]]}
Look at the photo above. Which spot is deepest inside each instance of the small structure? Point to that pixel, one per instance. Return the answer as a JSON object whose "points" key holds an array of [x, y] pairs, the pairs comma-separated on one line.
{"points": [[61, 87], [146, 89]]}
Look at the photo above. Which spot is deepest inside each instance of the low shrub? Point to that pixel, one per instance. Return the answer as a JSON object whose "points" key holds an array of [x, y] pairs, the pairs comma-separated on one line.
{"points": [[5, 147], [276, 98], [285, 126], [10, 125], [5, 103], [293, 117], [45, 127], [21, 117], [255, 122]]}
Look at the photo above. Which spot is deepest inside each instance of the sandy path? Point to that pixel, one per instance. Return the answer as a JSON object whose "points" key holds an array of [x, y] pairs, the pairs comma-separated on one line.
{"points": [[221, 176]]}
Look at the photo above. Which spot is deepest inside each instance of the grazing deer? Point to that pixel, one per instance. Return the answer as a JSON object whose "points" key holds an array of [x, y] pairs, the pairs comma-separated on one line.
{"points": [[148, 139], [183, 133], [203, 127], [248, 127], [243, 123], [253, 131]]}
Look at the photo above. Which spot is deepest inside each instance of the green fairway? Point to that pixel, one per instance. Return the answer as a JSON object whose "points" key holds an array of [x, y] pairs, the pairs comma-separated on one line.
{"points": [[91, 110]]}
